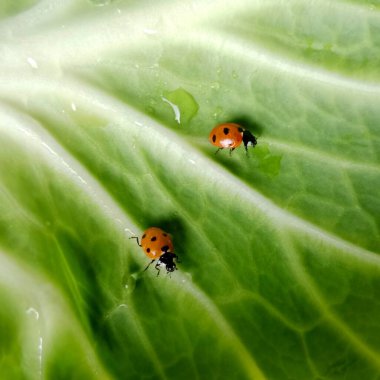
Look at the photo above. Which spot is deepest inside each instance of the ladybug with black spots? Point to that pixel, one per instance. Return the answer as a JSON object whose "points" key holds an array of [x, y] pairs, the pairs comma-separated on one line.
{"points": [[231, 135], [157, 245]]}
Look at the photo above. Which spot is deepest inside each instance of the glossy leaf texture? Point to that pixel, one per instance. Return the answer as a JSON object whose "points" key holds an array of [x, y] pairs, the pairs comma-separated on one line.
{"points": [[105, 111]]}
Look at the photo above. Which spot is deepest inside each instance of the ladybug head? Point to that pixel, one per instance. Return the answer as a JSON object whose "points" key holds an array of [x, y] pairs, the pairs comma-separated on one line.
{"points": [[248, 138], [167, 259]]}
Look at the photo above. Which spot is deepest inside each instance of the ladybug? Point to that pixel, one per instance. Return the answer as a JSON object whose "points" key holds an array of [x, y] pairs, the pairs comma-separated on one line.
{"points": [[157, 245], [230, 135]]}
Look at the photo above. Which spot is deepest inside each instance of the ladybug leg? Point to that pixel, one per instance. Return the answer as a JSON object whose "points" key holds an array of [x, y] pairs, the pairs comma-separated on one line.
{"points": [[218, 150], [157, 266], [231, 151], [177, 259], [148, 265], [136, 237]]}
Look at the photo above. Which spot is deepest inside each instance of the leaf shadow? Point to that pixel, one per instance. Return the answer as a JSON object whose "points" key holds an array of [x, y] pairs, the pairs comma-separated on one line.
{"points": [[249, 123], [176, 228]]}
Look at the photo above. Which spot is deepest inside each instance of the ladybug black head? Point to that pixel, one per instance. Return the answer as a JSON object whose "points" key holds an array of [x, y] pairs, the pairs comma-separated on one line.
{"points": [[248, 138], [167, 259]]}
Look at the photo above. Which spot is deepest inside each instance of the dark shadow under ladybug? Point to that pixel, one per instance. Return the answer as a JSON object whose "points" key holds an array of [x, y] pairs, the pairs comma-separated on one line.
{"points": [[252, 125]]}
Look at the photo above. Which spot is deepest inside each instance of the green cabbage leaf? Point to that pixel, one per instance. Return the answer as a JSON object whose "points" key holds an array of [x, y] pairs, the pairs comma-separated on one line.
{"points": [[105, 111]]}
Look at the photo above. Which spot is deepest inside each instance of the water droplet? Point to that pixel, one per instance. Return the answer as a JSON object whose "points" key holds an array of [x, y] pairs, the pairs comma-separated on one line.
{"points": [[34, 312], [175, 108], [40, 347], [32, 62], [185, 102], [73, 106], [215, 86], [268, 162], [100, 3], [150, 110], [131, 282]]}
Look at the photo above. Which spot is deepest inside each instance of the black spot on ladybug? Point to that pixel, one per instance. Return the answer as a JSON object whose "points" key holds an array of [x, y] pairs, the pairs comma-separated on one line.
{"points": [[213, 138], [144, 236], [165, 248], [226, 131], [164, 234], [148, 250], [153, 238]]}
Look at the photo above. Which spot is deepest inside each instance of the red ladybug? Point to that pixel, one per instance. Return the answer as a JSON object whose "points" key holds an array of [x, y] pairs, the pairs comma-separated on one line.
{"points": [[157, 245], [231, 135]]}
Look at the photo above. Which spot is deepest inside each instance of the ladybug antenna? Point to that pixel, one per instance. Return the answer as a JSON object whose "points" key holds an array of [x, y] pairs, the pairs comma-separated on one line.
{"points": [[248, 138]]}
